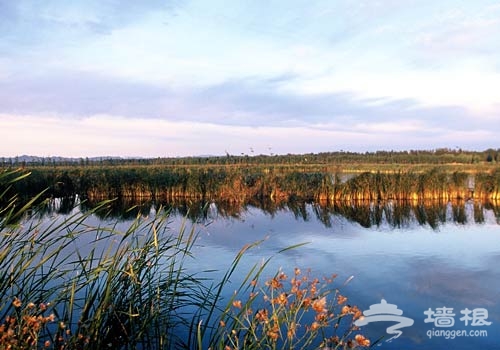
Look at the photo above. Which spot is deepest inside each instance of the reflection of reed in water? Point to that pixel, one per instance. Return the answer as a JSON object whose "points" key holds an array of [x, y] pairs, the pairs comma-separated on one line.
{"points": [[393, 213]]}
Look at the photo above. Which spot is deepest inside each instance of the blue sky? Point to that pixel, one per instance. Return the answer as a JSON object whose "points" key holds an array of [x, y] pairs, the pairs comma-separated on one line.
{"points": [[176, 78]]}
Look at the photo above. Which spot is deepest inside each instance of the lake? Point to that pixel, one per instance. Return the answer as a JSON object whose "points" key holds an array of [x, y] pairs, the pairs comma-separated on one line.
{"points": [[441, 259]]}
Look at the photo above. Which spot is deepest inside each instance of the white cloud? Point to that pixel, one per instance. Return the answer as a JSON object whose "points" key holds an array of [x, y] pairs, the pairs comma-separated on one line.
{"points": [[460, 31], [377, 73], [103, 135], [467, 86], [391, 127]]}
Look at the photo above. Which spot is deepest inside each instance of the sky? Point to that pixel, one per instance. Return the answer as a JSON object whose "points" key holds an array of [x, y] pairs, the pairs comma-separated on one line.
{"points": [[167, 78]]}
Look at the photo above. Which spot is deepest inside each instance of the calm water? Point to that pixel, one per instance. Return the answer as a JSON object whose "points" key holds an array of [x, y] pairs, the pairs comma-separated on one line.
{"points": [[416, 258]]}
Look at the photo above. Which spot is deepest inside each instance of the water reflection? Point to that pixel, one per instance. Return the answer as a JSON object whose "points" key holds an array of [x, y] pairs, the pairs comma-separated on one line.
{"points": [[393, 214], [390, 247]]}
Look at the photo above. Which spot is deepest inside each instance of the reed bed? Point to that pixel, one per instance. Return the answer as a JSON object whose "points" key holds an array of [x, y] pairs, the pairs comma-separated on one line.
{"points": [[243, 184], [67, 284]]}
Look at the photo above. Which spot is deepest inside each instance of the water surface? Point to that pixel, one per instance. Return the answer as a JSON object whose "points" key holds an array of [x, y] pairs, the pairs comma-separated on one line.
{"points": [[418, 257], [416, 267]]}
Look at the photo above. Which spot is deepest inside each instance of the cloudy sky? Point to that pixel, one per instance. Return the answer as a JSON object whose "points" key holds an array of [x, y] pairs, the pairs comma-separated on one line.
{"points": [[196, 77]]}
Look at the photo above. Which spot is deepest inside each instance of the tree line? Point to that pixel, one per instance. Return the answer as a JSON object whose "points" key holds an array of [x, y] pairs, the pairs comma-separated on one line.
{"points": [[434, 156]]}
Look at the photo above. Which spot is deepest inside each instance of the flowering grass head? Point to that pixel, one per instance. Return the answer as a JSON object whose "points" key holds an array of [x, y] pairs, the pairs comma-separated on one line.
{"points": [[296, 312], [22, 329]]}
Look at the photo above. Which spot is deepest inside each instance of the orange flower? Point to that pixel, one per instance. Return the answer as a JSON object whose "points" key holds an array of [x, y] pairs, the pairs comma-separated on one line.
{"points": [[314, 326], [345, 310], [295, 283], [314, 287], [341, 299], [262, 315], [335, 340], [274, 283], [273, 335], [16, 302], [361, 340], [319, 305], [321, 317], [281, 299], [306, 303], [299, 294], [357, 312], [237, 304]]}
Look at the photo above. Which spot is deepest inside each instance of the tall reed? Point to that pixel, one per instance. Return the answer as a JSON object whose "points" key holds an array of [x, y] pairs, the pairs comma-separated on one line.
{"points": [[117, 289]]}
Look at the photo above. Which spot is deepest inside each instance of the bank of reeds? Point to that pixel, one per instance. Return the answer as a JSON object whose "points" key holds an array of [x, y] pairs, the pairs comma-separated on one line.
{"points": [[434, 184], [243, 184], [66, 284]]}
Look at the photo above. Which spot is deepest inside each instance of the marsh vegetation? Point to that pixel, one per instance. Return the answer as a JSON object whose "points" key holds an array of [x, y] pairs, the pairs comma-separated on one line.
{"points": [[244, 184], [72, 283], [67, 284]]}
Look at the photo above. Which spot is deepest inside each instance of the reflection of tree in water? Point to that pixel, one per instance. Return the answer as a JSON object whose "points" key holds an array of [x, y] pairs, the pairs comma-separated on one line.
{"points": [[478, 213], [50, 206], [226, 209], [401, 214], [459, 214], [267, 205], [395, 214], [398, 214], [196, 211], [299, 209], [358, 211], [323, 214], [495, 208], [118, 209], [431, 212], [377, 213], [62, 205]]}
